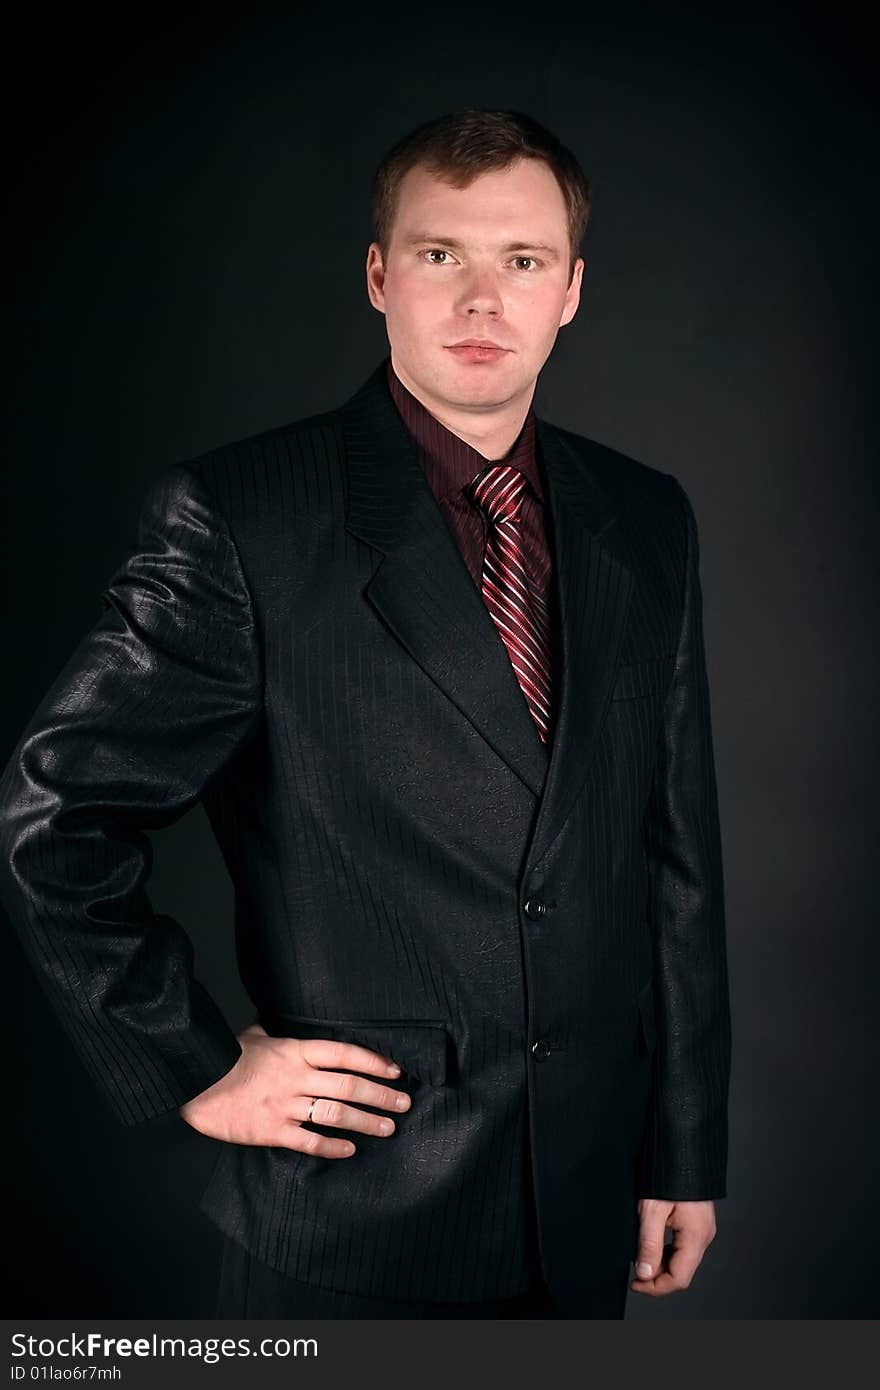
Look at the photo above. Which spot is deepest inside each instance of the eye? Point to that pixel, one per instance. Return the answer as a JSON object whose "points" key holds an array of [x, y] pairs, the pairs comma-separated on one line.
{"points": [[435, 251], [528, 258]]}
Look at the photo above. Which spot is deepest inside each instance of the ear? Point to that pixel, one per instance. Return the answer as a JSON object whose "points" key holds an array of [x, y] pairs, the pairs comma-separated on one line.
{"points": [[376, 276], [573, 293]]}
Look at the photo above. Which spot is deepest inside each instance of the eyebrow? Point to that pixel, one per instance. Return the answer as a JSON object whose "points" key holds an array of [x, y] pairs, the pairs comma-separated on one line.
{"points": [[455, 245]]}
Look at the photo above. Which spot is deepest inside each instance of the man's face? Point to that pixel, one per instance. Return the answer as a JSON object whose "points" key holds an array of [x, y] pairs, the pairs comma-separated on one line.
{"points": [[488, 262]]}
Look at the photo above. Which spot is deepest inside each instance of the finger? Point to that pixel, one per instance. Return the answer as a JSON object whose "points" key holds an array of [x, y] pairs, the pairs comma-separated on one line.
{"points": [[347, 1086], [328, 1052], [309, 1141], [678, 1266], [660, 1282], [685, 1255], [652, 1228], [340, 1116], [663, 1284]]}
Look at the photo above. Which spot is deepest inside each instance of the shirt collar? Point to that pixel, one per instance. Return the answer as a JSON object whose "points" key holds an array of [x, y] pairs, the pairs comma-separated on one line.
{"points": [[450, 462]]}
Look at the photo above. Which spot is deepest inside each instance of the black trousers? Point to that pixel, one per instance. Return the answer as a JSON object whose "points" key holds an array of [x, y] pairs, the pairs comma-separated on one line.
{"points": [[248, 1288]]}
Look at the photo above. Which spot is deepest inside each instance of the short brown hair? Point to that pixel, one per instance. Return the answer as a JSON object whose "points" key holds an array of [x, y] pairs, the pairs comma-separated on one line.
{"points": [[465, 143]]}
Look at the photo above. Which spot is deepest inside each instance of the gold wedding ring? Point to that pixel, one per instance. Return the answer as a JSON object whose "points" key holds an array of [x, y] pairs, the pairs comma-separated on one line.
{"points": [[311, 1108]]}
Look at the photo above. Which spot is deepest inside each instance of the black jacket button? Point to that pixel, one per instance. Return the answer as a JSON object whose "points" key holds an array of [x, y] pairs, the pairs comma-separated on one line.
{"points": [[534, 907], [540, 1049]]}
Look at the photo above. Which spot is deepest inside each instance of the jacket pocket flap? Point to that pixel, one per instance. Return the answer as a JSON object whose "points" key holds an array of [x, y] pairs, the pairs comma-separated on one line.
{"points": [[647, 1018], [637, 678], [418, 1045]]}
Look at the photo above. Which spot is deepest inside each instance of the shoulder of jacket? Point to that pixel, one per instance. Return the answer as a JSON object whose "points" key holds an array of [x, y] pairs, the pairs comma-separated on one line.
{"points": [[295, 435], [231, 475]]}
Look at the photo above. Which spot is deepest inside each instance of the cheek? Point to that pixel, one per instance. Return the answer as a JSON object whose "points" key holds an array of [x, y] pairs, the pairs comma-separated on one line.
{"points": [[524, 301], [541, 305], [414, 298]]}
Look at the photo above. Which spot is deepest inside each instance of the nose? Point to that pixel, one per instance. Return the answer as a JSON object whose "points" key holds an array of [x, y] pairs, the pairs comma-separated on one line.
{"points": [[480, 294]]}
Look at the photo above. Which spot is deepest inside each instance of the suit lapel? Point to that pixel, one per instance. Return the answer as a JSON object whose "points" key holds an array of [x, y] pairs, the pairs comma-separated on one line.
{"points": [[423, 592], [594, 584]]}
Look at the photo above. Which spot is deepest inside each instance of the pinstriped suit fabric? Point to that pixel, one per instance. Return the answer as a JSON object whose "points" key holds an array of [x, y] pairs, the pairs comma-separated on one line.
{"points": [[294, 639]]}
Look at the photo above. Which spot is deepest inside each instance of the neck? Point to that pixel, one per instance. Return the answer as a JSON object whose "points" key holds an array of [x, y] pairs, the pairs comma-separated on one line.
{"points": [[491, 431]]}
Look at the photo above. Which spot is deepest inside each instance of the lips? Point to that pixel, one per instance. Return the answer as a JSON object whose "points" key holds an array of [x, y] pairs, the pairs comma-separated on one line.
{"points": [[476, 351]]}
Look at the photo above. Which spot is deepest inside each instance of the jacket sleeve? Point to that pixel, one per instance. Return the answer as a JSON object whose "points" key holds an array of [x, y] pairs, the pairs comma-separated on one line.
{"points": [[151, 705], [686, 1143]]}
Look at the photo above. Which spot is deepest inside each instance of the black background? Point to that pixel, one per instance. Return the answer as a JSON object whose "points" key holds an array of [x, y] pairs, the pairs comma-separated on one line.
{"points": [[188, 202]]}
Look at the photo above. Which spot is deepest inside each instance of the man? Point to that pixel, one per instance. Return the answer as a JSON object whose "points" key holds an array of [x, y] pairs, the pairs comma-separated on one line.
{"points": [[435, 668]]}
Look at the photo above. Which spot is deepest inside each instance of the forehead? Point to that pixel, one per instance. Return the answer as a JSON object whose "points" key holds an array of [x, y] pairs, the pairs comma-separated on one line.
{"points": [[523, 200]]}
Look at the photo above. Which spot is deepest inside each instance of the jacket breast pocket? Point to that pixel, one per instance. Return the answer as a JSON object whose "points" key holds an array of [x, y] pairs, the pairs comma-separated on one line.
{"points": [[636, 679], [419, 1046]]}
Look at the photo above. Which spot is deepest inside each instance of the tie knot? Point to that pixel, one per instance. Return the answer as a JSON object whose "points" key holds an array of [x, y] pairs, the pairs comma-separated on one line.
{"points": [[498, 491]]}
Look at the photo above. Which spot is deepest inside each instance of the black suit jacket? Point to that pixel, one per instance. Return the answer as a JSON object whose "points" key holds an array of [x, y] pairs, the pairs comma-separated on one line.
{"points": [[536, 935]]}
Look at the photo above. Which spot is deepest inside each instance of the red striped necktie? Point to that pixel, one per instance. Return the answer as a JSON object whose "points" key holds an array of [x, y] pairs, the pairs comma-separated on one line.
{"points": [[519, 614]]}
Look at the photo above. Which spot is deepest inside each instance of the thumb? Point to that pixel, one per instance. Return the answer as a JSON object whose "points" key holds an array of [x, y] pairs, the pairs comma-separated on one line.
{"points": [[647, 1262], [651, 1235]]}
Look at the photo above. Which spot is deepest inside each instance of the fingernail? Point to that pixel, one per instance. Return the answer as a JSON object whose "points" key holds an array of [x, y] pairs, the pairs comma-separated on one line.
{"points": [[386, 1126], [643, 1269], [393, 1069]]}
